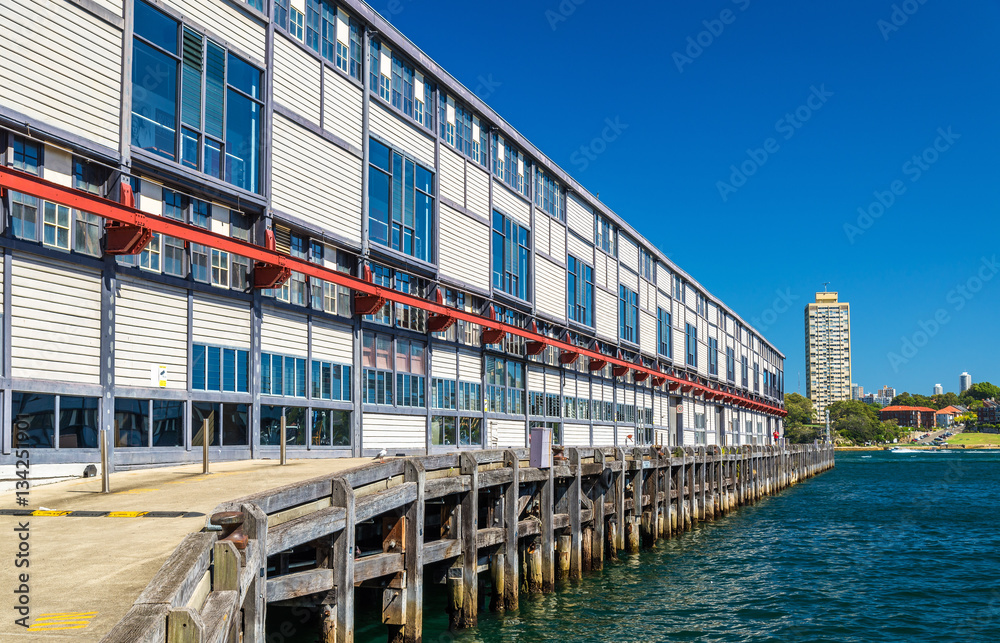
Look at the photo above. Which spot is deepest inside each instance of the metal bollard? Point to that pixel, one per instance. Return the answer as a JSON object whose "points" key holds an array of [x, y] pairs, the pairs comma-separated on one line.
{"points": [[284, 454]]}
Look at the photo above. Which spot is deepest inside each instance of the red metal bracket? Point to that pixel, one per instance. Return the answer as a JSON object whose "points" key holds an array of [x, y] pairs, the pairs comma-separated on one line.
{"points": [[490, 334], [597, 364], [368, 303], [437, 322], [534, 346], [126, 238]]}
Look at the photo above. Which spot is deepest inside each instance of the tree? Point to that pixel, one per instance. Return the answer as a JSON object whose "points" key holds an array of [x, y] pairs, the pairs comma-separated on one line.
{"points": [[981, 391], [803, 434], [905, 399], [800, 410], [944, 400], [860, 423]]}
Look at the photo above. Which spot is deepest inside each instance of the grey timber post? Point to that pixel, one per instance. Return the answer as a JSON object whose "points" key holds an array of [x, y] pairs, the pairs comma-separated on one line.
{"points": [[546, 512], [342, 562], [206, 440], [255, 608], [512, 493], [467, 616], [574, 493], [413, 554], [597, 495], [620, 501]]}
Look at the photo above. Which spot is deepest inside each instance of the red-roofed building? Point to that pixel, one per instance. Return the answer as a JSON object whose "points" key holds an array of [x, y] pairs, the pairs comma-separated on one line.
{"points": [[946, 416], [910, 416]]}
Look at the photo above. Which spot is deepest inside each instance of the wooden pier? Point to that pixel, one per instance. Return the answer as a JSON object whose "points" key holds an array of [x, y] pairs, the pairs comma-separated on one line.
{"points": [[484, 524]]}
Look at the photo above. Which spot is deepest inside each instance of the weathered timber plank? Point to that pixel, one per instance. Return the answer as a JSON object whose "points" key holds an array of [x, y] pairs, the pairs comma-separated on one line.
{"points": [[489, 537], [219, 615], [375, 566], [142, 624], [313, 581], [560, 521], [304, 529], [374, 472], [532, 475], [443, 549], [296, 512], [176, 580], [494, 478], [529, 527], [372, 505], [446, 486]]}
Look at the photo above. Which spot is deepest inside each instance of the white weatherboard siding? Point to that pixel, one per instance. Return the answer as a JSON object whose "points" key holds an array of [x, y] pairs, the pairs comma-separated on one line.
{"points": [[333, 343], [580, 217], [628, 252], [452, 176], [444, 363], [604, 435], [511, 205], [150, 331], [580, 250], [323, 186], [393, 432], [557, 238], [228, 22], [465, 248], [542, 233], [55, 321], [342, 108], [576, 435], [606, 314], [296, 79], [505, 434], [220, 321], [400, 134], [284, 333], [469, 367], [536, 378], [478, 185], [630, 280], [62, 65], [550, 288]]}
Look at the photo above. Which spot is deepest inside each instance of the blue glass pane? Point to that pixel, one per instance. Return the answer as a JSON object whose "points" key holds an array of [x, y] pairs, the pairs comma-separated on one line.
{"points": [[154, 100], [378, 192], [346, 379], [317, 381], [277, 371], [242, 371], [242, 142], [300, 377], [198, 368], [244, 77], [155, 27], [289, 376], [378, 155], [229, 370], [214, 368], [265, 374]]}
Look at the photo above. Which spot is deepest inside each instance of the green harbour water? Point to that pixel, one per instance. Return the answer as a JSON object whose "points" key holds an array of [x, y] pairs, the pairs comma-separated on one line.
{"points": [[885, 547]]}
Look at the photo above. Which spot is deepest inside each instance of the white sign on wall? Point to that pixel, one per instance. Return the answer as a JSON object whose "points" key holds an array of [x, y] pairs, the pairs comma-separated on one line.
{"points": [[158, 375]]}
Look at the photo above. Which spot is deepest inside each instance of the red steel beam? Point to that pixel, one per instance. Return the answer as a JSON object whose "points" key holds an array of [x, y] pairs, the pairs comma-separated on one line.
{"points": [[113, 211]]}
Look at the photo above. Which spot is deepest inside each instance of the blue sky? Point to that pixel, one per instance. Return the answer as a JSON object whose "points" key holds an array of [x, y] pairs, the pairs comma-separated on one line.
{"points": [[886, 86]]}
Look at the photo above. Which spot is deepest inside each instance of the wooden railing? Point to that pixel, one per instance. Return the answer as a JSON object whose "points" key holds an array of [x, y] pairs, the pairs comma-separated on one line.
{"points": [[371, 527]]}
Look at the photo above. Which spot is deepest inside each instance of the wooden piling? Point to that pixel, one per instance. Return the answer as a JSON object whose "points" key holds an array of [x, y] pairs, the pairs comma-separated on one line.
{"points": [[574, 495], [564, 550], [534, 555], [498, 577], [467, 613], [511, 496], [598, 494], [586, 549], [548, 538]]}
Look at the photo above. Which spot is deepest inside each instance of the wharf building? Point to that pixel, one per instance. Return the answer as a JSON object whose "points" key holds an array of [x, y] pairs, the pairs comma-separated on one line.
{"points": [[318, 133]]}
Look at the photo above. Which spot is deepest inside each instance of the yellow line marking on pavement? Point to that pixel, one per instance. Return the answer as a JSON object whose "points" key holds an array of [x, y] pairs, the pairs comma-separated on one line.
{"points": [[63, 621], [48, 513], [126, 514]]}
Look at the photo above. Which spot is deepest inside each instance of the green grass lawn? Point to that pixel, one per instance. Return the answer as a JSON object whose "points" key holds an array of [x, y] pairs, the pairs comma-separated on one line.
{"points": [[975, 439]]}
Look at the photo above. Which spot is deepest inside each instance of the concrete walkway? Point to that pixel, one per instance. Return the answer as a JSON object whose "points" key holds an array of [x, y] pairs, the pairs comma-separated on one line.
{"points": [[85, 572]]}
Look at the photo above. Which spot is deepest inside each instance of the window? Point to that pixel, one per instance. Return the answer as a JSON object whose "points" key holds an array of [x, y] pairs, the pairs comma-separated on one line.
{"points": [[691, 345], [510, 256], [756, 378], [462, 129], [282, 375], [348, 45], [504, 386], [605, 236], [219, 100], [281, 12], [647, 265], [470, 396], [678, 288], [331, 381], [580, 292], [27, 154], [468, 430], [402, 202], [628, 315], [745, 371], [133, 419], [200, 265], [173, 248], [713, 356], [549, 195], [730, 365], [664, 333], [43, 421], [88, 177], [55, 226], [327, 296], [381, 70], [382, 358], [331, 427], [226, 424], [295, 22], [443, 394], [510, 165], [214, 368], [295, 425]]}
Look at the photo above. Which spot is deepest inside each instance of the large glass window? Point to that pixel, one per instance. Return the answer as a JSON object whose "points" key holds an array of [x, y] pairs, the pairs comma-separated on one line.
{"points": [[225, 422], [549, 195], [134, 418], [664, 339], [504, 386], [691, 345], [220, 100], [215, 368], [713, 356], [46, 421], [510, 165], [401, 203], [282, 375], [387, 361], [745, 371], [331, 381], [628, 315], [605, 235], [510, 256], [580, 291], [730, 365]]}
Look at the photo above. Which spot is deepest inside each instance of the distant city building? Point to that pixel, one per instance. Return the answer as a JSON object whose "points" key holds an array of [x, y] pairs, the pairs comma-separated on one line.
{"points": [[938, 389], [886, 391], [857, 392], [828, 351], [914, 417], [964, 383], [989, 413]]}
